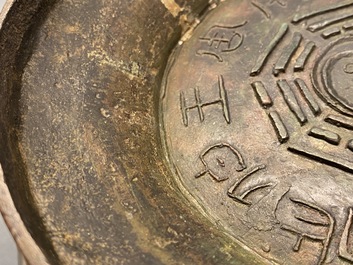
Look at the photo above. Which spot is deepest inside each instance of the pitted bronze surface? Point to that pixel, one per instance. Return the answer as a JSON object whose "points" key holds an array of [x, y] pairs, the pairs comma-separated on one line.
{"points": [[257, 111], [237, 151], [79, 135]]}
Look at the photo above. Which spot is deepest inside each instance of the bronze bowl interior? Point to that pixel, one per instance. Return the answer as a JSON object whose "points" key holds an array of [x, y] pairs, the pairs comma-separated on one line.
{"points": [[80, 145], [178, 131]]}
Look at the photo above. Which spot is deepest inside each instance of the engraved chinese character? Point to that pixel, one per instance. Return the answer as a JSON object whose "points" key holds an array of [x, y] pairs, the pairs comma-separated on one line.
{"points": [[199, 104], [220, 40], [308, 222], [221, 161]]}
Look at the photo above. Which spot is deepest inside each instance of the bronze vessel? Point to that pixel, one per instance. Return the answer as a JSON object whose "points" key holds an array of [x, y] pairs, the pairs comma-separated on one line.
{"points": [[178, 132]]}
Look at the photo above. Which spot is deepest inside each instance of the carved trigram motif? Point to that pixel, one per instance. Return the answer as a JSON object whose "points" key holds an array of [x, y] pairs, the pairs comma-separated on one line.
{"points": [[287, 54], [329, 21], [290, 93], [315, 81]]}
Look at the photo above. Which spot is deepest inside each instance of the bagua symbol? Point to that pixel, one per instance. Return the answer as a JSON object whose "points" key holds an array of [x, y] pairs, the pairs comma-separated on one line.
{"points": [[220, 40], [220, 161], [323, 83]]}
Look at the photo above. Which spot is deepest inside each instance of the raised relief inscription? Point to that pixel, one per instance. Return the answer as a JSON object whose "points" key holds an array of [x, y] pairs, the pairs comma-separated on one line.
{"points": [[329, 79], [221, 161], [199, 104], [221, 40], [257, 121], [312, 223]]}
